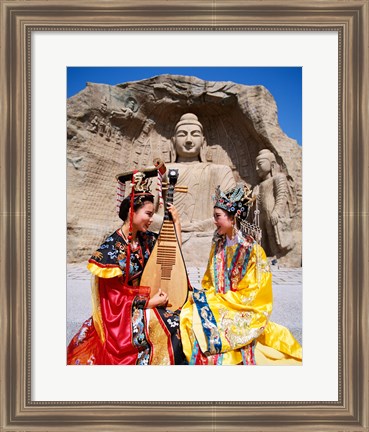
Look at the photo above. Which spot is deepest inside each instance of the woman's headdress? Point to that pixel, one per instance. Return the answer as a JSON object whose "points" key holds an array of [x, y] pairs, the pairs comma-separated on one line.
{"points": [[140, 186], [237, 201]]}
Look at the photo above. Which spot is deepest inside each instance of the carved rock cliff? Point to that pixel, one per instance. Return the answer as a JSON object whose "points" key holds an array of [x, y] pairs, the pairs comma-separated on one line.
{"points": [[112, 129]]}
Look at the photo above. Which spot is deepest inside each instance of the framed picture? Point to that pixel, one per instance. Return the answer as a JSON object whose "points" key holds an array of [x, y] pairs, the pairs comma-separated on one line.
{"points": [[105, 136], [39, 40]]}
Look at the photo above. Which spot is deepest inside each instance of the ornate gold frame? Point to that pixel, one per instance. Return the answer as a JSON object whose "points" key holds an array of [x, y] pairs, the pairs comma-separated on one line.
{"points": [[18, 19]]}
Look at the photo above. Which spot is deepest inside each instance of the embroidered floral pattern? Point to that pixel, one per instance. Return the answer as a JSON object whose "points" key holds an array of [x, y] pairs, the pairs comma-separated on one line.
{"points": [[226, 279], [208, 322], [98, 255], [248, 354], [91, 360], [139, 337], [81, 336], [173, 323], [113, 253], [194, 354], [248, 299], [236, 327]]}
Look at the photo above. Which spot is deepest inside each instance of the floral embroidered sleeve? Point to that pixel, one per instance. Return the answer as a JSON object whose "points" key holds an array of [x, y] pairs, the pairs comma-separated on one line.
{"points": [[109, 260], [104, 262]]}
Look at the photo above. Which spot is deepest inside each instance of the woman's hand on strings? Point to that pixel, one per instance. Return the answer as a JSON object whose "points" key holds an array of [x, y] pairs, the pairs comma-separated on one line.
{"points": [[158, 299]]}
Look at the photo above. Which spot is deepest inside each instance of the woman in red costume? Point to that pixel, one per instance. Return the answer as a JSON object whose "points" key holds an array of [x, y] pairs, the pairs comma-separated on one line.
{"points": [[128, 327]]}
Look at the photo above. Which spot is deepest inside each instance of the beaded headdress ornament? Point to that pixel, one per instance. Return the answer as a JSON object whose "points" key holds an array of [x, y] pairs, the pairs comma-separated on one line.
{"points": [[141, 186], [237, 201]]}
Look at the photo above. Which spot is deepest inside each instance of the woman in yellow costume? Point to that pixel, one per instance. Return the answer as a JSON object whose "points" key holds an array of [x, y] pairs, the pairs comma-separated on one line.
{"points": [[226, 321]]}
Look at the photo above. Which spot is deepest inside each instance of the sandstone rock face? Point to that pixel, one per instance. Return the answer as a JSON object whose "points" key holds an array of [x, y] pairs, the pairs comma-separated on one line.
{"points": [[113, 129]]}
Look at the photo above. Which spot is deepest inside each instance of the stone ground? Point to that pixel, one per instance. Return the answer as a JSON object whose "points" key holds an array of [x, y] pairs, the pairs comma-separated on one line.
{"points": [[287, 292]]}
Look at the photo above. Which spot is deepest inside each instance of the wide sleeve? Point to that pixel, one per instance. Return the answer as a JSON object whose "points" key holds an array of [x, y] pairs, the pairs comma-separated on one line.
{"points": [[104, 271], [105, 261]]}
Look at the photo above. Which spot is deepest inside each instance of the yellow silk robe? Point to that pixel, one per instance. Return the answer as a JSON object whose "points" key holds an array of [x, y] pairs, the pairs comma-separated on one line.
{"points": [[227, 320]]}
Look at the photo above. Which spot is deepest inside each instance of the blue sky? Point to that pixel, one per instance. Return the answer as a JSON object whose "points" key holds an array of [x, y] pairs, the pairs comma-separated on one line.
{"points": [[285, 84]]}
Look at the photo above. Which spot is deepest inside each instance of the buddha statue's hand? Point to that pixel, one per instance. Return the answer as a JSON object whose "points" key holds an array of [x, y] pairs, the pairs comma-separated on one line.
{"points": [[274, 217]]}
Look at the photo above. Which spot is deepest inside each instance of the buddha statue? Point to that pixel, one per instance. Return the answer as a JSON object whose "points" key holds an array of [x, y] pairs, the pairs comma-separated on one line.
{"points": [[188, 155]]}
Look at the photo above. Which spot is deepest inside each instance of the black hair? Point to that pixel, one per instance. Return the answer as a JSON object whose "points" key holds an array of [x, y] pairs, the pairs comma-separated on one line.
{"points": [[232, 216], [138, 202]]}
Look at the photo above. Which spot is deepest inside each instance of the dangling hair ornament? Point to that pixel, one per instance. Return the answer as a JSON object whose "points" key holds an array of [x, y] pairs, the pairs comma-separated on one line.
{"points": [[129, 238], [253, 229], [139, 188]]}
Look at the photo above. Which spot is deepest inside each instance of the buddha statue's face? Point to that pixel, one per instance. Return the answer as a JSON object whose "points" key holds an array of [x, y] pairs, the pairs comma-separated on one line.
{"points": [[188, 140], [263, 167]]}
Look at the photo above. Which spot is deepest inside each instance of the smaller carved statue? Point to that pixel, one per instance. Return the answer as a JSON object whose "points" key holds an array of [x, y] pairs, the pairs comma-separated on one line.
{"points": [[108, 130], [274, 202], [116, 134], [94, 125], [127, 111], [104, 105], [131, 104], [102, 126]]}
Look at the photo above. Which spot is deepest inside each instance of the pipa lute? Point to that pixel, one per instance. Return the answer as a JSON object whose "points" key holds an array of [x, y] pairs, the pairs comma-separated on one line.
{"points": [[165, 267]]}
